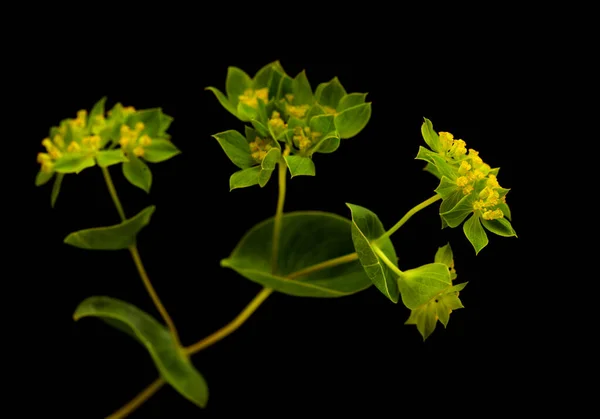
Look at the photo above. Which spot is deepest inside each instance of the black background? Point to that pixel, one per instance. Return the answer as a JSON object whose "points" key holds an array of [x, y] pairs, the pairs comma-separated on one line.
{"points": [[293, 354]]}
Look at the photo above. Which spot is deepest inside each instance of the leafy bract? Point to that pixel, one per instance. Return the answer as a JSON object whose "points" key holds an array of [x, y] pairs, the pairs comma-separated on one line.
{"points": [[170, 359], [307, 239]]}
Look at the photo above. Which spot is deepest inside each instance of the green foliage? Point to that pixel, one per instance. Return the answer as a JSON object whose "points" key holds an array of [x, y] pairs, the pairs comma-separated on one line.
{"points": [[170, 360], [307, 239]]}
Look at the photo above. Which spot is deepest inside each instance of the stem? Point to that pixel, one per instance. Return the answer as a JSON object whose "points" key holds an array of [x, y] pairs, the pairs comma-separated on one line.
{"points": [[323, 265], [278, 215], [138, 400], [138, 261], [233, 325], [407, 216], [387, 261]]}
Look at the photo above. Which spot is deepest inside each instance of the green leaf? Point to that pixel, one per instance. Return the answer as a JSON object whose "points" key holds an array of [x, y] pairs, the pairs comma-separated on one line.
{"points": [[43, 177], [352, 120], [268, 164], [137, 173], [117, 237], [475, 233], [418, 286], [245, 178], [500, 226], [446, 187], [151, 118], [74, 163], [444, 255], [330, 93], [160, 150], [223, 100], [97, 110], [301, 90], [351, 100], [236, 84], [107, 158], [460, 211], [300, 165], [366, 227], [170, 360], [307, 238], [236, 147], [56, 189], [430, 136]]}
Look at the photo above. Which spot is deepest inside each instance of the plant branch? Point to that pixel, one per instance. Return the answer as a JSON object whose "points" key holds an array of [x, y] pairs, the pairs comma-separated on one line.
{"points": [[407, 216], [138, 400], [138, 261]]}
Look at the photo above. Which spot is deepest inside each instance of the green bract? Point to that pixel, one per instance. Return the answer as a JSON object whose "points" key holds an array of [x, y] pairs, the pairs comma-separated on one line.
{"points": [[468, 186], [123, 136], [171, 361], [285, 110]]}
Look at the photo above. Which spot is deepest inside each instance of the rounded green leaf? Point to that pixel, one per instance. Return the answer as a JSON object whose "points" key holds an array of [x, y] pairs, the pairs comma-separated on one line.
{"points": [[307, 238], [366, 227], [419, 285], [352, 120], [170, 359], [160, 150], [137, 173], [475, 233], [236, 84], [107, 158], [300, 165], [117, 237]]}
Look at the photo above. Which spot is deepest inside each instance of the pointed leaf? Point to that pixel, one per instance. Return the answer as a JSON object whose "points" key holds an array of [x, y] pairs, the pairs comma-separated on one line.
{"points": [[137, 173], [330, 93], [236, 147], [160, 150], [460, 211], [419, 285], [301, 90], [107, 158], [351, 100], [74, 163], [366, 227], [307, 238], [236, 84], [117, 237], [430, 136], [475, 233], [170, 360], [352, 120], [56, 189], [245, 178], [223, 100], [300, 165], [500, 226]]}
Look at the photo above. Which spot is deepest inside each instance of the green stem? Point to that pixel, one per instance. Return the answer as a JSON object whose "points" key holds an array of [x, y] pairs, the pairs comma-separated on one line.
{"points": [[278, 215], [387, 261], [138, 400], [407, 216], [138, 261]]}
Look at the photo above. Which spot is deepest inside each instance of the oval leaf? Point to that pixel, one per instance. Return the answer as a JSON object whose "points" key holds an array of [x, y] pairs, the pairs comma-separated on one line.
{"points": [[352, 121], [367, 227], [307, 238], [137, 173], [116, 237], [418, 286], [160, 150], [172, 363]]}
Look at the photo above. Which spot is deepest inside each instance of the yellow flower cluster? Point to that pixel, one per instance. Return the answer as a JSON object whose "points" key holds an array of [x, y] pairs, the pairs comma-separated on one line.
{"points": [[131, 141], [56, 148], [259, 149], [251, 96]]}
